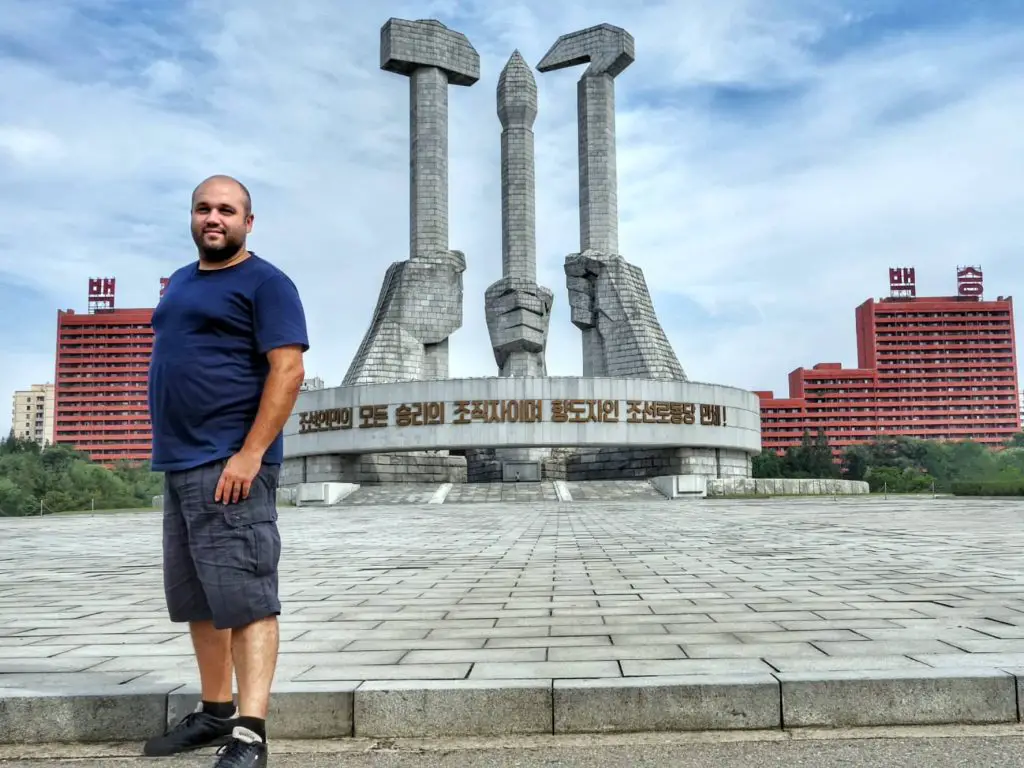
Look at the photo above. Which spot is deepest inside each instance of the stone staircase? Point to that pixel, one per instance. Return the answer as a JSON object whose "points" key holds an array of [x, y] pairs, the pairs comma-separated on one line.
{"points": [[486, 493], [613, 490], [546, 491]]}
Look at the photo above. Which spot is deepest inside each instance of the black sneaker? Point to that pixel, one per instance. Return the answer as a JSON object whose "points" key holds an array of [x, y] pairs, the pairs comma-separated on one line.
{"points": [[196, 730], [245, 750]]}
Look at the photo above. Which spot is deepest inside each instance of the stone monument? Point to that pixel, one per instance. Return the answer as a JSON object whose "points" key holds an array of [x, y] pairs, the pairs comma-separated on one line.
{"points": [[517, 309], [398, 417], [608, 297], [420, 303]]}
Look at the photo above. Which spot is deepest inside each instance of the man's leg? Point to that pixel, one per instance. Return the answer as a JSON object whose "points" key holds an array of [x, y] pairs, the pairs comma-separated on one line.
{"points": [[236, 548], [212, 646], [209, 724], [255, 648], [213, 654]]}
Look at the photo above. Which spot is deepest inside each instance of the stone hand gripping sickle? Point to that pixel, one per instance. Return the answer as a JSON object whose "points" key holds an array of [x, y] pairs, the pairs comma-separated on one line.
{"points": [[608, 297]]}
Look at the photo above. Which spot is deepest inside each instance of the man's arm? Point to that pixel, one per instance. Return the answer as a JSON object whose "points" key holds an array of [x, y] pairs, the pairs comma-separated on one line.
{"points": [[280, 392], [279, 332], [279, 395]]}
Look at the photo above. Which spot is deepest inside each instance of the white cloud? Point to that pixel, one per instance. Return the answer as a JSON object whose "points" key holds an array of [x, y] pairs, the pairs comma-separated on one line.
{"points": [[28, 146], [900, 152]]}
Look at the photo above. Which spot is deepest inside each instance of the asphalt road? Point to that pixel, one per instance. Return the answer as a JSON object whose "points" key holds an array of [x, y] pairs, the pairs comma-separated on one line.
{"points": [[934, 748]]}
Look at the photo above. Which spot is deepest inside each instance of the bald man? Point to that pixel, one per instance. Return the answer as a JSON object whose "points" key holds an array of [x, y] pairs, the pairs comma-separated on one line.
{"points": [[226, 369]]}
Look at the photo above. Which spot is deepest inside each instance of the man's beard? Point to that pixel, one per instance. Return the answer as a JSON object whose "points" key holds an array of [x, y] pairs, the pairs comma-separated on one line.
{"points": [[219, 253]]}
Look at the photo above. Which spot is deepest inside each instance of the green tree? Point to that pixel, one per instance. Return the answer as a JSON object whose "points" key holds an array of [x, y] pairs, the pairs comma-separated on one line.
{"points": [[1009, 464], [811, 459], [970, 461], [766, 464], [796, 461], [15, 501], [12, 445], [822, 461], [896, 480], [903, 464], [1017, 441], [58, 478], [856, 462]]}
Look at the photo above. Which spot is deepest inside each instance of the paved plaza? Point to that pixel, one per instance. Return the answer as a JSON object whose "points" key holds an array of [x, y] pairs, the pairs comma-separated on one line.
{"points": [[439, 618]]}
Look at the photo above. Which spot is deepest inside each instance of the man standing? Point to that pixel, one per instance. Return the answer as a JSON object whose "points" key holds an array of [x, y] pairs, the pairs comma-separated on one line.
{"points": [[226, 370]]}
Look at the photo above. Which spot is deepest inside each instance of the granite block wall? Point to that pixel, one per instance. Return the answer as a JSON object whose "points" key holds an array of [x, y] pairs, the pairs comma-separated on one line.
{"points": [[749, 486], [411, 467]]}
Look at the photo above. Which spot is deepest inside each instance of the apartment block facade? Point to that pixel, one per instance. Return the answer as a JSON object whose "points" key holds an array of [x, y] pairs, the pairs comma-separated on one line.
{"points": [[933, 368], [101, 381], [32, 414]]}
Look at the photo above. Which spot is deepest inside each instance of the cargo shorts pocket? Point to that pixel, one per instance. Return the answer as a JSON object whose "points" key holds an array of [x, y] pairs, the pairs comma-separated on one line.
{"points": [[250, 540]]}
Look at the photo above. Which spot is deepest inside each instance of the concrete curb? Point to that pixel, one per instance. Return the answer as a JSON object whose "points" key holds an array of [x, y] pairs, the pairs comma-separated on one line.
{"points": [[441, 494], [480, 707], [562, 490]]}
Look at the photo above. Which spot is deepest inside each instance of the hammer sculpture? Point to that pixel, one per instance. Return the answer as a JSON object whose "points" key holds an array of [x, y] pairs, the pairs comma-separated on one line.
{"points": [[420, 303], [432, 57]]}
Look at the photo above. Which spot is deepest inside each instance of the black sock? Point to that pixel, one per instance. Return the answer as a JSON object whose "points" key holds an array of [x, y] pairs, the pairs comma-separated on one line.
{"points": [[255, 724], [221, 709]]}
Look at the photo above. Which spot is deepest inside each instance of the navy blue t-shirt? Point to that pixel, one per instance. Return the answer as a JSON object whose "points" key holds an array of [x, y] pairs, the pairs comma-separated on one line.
{"points": [[213, 329]]}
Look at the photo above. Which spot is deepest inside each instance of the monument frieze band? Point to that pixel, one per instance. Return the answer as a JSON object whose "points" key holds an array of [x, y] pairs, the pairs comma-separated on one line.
{"points": [[510, 412], [542, 411]]}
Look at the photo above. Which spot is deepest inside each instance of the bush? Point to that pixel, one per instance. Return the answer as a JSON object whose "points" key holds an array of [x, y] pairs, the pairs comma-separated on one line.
{"points": [[894, 480], [60, 479], [988, 488]]}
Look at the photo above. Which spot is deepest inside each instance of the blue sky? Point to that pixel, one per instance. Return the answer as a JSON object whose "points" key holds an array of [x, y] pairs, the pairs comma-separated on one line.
{"points": [[775, 158]]}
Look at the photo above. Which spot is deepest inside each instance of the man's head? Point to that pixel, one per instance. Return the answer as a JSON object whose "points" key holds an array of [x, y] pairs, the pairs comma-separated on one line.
{"points": [[221, 218]]}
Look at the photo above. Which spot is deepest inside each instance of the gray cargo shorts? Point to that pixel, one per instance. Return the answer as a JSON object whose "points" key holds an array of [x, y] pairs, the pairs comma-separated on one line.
{"points": [[220, 561]]}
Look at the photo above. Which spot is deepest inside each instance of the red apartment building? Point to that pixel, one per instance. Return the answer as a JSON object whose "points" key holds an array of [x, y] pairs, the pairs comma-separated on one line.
{"points": [[933, 368], [102, 371]]}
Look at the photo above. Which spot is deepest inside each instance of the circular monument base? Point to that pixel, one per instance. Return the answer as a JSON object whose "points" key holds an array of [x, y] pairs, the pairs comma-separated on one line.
{"points": [[525, 429]]}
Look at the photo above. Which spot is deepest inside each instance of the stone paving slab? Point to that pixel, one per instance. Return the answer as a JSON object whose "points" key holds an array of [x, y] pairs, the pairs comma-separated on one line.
{"points": [[419, 620]]}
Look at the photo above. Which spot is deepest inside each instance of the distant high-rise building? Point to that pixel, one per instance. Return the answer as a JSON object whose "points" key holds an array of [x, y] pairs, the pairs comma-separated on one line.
{"points": [[32, 414], [102, 374], [308, 385], [934, 368]]}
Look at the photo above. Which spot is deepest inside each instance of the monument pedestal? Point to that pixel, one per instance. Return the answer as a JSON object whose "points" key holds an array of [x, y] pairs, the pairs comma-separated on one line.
{"points": [[641, 464], [493, 465], [375, 468]]}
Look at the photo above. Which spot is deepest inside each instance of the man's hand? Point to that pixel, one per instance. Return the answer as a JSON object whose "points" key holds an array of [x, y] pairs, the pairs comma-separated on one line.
{"points": [[236, 479]]}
